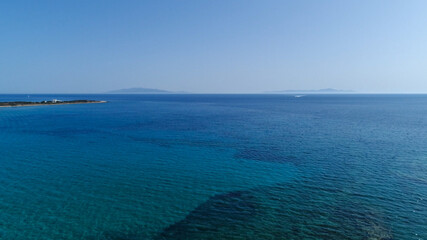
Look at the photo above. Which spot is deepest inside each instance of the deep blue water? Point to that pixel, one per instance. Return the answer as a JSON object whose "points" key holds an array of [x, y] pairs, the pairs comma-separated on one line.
{"points": [[215, 167]]}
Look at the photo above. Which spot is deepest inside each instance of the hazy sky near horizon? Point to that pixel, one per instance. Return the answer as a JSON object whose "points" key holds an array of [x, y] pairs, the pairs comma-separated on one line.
{"points": [[230, 46]]}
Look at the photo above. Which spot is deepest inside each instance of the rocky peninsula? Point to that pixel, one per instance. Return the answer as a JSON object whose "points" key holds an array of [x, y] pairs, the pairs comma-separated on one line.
{"points": [[52, 102]]}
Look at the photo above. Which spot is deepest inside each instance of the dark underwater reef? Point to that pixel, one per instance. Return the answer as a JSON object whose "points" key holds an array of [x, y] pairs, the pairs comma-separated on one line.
{"points": [[219, 212], [306, 209], [283, 211], [280, 212]]}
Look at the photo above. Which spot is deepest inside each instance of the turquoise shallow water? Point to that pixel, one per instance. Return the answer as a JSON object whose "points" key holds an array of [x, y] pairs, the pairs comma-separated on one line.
{"points": [[215, 167]]}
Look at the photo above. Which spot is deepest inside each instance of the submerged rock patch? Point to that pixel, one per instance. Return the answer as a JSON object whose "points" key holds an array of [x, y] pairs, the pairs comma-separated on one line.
{"points": [[283, 211], [220, 212]]}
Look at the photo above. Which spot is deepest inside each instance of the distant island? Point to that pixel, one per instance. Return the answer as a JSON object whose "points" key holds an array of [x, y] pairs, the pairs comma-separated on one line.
{"points": [[161, 91], [139, 90], [53, 102], [325, 90]]}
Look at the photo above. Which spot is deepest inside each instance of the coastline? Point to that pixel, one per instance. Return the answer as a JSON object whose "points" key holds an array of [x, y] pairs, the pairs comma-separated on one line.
{"points": [[12, 104]]}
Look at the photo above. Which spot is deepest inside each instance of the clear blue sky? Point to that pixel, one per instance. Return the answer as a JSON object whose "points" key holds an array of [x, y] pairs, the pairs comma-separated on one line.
{"points": [[213, 46]]}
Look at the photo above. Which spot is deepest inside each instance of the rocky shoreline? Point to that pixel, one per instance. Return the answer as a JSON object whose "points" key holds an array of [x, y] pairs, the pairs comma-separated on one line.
{"points": [[53, 102]]}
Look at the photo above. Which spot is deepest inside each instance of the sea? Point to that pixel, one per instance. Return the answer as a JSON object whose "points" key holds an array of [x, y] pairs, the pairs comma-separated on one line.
{"points": [[214, 166]]}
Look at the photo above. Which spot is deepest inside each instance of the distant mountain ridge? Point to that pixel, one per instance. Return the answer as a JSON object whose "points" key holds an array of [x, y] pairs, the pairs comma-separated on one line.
{"points": [[139, 90], [324, 90]]}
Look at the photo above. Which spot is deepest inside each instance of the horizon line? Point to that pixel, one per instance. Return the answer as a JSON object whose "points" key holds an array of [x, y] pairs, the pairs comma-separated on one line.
{"points": [[224, 93]]}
